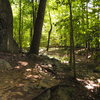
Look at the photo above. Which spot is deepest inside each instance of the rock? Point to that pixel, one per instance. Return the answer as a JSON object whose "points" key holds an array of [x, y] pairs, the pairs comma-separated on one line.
{"points": [[54, 93], [45, 95], [55, 63], [4, 65], [48, 81], [60, 93]]}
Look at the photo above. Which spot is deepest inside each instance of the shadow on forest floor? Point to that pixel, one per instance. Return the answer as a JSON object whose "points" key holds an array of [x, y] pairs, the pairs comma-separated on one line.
{"points": [[31, 75]]}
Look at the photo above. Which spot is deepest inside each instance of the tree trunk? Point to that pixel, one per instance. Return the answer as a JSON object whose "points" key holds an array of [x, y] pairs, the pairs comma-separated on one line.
{"points": [[72, 53], [49, 33], [20, 26], [98, 34], [33, 18], [87, 33], [38, 28], [7, 42]]}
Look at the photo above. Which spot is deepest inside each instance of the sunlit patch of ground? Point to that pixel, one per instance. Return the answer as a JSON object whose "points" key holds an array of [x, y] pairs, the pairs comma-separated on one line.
{"points": [[90, 84], [58, 53]]}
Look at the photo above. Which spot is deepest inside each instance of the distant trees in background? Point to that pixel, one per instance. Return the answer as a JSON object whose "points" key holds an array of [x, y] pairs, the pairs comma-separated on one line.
{"points": [[56, 28], [86, 22]]}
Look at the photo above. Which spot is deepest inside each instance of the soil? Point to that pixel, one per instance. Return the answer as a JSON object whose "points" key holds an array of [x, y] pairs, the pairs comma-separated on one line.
{"points": [[31, 75]]}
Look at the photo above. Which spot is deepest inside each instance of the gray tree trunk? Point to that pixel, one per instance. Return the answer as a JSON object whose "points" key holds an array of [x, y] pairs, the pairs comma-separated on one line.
{"points": [[7, 42]]}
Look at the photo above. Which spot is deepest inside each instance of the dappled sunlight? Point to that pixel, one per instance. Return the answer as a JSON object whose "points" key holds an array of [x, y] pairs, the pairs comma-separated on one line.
{"points": [[23, 80], [89, 56], [55, 52], [28, 70], [98, 80], [51, 54], [47, 72], [29, 76], [20, 85], [90, 84], [23, 63], [33, 77], [38, 72], [77, 51], [66, 62], [17, 67]]}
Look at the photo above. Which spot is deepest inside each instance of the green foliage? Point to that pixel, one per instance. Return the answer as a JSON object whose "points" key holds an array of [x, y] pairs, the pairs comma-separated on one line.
{"points": [[59, 11]]}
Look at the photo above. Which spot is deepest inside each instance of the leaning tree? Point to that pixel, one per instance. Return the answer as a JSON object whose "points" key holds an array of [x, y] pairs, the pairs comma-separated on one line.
{"points": [[7, 42]]}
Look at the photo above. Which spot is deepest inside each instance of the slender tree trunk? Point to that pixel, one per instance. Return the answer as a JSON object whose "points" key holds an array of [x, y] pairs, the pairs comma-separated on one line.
{"points": [[36, 9], [72, 53], [98, 34], [87, 34], [49, 33], [22, 30], [71, 33], [32, 20], [38, 28], [33, 17], [20, 16], [83, 16]]}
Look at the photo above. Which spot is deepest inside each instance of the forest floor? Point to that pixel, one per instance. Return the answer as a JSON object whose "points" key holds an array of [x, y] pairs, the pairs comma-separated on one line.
{"points": [[31, 75]]}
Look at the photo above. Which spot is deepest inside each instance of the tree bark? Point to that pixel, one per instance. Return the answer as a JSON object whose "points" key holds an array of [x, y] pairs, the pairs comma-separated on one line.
{"points": [[38, 28], [20, 26], [87, 33], [33, 18], [7, 42], [49, 33], [72, 53]]}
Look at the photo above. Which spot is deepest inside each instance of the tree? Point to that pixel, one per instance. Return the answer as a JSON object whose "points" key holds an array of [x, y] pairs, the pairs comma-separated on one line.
{"points": [[83, 15], [20, 26], [49, 33], [34, 48], [33, 17], [7, 42], [72, 53]]}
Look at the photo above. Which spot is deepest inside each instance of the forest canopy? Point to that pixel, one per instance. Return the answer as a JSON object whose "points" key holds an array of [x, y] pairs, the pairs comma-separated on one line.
{"points": [[86, 22]]}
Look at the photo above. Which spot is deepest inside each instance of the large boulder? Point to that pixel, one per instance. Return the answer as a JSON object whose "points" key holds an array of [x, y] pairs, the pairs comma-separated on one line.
{"points": [[4, 65]]}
